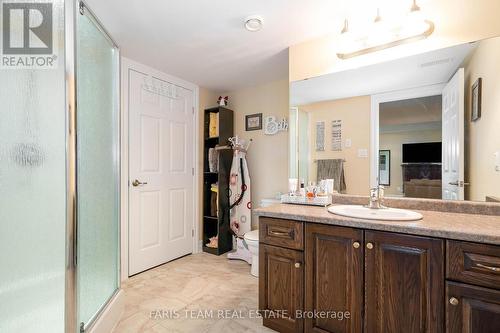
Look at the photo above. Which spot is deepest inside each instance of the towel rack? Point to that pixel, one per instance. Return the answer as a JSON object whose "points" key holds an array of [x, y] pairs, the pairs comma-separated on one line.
{"points": [[343, 160]]}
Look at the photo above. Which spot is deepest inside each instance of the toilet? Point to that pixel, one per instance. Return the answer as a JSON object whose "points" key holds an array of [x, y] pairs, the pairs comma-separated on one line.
{"points": [[252, 241]]}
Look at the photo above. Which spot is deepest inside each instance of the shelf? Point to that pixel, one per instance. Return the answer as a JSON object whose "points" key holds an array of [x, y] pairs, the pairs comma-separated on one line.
{"points": [[211, 250], [213, 225]]}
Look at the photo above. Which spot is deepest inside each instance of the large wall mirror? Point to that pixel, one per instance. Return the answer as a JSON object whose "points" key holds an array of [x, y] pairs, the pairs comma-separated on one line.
{"points": [[424, 126]]}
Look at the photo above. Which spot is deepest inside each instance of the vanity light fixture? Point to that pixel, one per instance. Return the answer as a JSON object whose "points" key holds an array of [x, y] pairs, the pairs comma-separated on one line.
{"points": [[382, 34], [254, 23]]}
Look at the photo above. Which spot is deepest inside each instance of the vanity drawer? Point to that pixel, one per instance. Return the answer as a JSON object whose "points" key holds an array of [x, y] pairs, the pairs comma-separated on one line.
{"points": [[473, 263], [283, 233]]}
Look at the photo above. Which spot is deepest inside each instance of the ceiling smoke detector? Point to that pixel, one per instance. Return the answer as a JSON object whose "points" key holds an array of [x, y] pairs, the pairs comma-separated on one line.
{"points": [[254, 23]]}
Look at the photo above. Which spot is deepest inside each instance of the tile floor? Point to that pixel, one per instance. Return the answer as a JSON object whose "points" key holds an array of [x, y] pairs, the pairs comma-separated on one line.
{"points": [[183, 287]]}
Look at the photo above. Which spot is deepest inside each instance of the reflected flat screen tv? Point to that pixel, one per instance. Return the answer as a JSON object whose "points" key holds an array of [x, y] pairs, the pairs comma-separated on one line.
{"points": [[429, 152]]}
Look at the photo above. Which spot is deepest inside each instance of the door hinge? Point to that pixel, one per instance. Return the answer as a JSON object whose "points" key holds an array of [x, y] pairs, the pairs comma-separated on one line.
{"points": [[192, 232], [192, 171], [193, 109]]}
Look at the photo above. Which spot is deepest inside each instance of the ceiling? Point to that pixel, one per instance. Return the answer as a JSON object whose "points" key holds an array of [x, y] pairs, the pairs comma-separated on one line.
{"points": [[417, 113], [204, 41], [405, 73]]}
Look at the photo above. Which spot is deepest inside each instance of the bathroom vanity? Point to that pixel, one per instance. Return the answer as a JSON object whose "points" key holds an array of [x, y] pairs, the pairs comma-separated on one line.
{"points": [[439, 274]]}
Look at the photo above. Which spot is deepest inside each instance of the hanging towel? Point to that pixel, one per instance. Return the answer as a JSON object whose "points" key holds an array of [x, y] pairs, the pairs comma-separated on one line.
{"points": [[239, 190], [213, 160], [332, 169]]}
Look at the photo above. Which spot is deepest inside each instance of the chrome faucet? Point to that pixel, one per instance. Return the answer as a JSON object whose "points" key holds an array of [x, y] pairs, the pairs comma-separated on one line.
{"points": [[376, 198]]}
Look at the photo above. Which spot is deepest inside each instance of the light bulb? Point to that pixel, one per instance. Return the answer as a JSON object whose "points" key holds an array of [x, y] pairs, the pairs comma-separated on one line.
{"points": [[415, 23], [346, 39], [379, 32]]}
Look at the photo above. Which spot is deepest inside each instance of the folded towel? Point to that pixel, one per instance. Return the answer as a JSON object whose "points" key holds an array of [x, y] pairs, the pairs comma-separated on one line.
{"points": [[332, 169]]}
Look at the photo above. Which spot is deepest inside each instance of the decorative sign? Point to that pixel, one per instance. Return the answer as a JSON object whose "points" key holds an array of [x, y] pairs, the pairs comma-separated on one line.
{"points": [[337, 135], [320, 136], [272, 127]]}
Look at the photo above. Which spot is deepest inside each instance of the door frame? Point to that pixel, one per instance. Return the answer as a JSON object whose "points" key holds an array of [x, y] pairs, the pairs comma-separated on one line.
{"points": [[126, 65], [376, 100]]}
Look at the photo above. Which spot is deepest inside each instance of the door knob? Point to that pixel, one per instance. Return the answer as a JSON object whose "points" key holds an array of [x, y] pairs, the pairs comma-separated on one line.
{"points": [[460, 183], [355, 245], [369, 246], [297, 265], [454, 301], [137, 183]]}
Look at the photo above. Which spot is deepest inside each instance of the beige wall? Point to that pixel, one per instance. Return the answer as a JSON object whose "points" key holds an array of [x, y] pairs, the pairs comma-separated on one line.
{"points": [[355, 115], [268, 154], [483, 134], [456, 22], [207, 99], [393, 142]]}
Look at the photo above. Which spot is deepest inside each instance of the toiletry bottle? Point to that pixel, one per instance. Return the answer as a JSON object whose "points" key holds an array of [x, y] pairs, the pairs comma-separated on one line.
{"points": [[302, 190]]}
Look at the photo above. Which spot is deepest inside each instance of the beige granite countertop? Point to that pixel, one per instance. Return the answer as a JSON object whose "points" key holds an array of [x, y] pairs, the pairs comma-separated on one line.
{"points": [[459, 226]]}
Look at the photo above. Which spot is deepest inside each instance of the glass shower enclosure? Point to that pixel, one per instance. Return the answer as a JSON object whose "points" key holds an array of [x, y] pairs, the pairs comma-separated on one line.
{"points": [[59, 167]]}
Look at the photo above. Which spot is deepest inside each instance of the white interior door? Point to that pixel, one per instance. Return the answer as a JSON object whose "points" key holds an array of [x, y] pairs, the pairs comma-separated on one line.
{"points": [[161, 180], [453, 138]]}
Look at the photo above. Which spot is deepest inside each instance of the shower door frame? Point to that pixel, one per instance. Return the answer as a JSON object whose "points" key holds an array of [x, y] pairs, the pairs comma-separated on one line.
{"points": [[72, 8]]}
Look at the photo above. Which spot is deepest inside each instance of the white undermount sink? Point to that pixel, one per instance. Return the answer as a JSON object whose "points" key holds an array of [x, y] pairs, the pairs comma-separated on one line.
{"points": [[387, 214]]}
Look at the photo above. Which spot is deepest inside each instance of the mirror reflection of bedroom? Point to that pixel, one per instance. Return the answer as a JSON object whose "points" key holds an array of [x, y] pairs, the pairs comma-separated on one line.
{"points": [[423, 126], [410, 147]]}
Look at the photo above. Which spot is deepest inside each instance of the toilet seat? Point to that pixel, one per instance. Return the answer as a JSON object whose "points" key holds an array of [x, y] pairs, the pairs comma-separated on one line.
{"points": [[252, 236]]}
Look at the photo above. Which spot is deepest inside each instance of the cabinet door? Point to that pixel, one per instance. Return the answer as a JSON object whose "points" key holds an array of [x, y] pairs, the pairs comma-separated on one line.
{"points": [[471, 309], [334, 279], [281, 287], [404, 283]]}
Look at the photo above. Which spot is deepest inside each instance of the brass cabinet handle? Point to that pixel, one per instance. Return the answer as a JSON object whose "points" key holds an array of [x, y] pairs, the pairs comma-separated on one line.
{"points": [[491, 268], [137, 183], [281, 233], [369, 246], [278, 233], [355, 245], [454, 301], [297, 265]]}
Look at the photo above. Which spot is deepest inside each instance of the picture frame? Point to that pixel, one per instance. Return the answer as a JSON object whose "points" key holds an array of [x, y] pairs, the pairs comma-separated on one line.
{"points": [[476, 99], [253, 122], [384, 167]]}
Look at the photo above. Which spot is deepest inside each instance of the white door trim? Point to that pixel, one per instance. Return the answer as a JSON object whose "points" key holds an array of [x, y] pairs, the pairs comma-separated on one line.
{"points": [[126, 65], [432, 90]]}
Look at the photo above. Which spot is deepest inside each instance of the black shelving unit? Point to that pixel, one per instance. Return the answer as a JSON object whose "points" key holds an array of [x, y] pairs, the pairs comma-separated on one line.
{"points": [[217, 225]]}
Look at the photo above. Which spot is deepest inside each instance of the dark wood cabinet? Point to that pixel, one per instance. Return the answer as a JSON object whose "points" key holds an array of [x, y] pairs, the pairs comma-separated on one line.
{"points": [[281, 287], [386, 282], [334, 279], [471, 309], [404, 283], [473, 263], [282, 233]]}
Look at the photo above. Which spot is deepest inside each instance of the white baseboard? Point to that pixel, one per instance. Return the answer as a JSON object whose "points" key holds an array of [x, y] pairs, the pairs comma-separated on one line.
{"points": [[111, 315], [200, 246]]}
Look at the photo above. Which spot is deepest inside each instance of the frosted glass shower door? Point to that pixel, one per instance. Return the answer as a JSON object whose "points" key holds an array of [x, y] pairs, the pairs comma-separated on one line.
{"points": [[98, 193], [33, 192]]}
